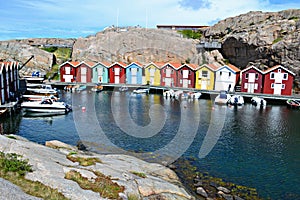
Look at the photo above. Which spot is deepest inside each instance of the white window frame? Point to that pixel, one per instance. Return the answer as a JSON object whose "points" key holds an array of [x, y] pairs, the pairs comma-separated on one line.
{"points": [[272, 74], [282, 86], [256, 76], [246, 75], [272, 85], [287, 76]]}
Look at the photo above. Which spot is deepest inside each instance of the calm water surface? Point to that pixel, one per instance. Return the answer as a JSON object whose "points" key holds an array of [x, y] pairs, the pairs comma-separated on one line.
{"points": [[257, 148]]}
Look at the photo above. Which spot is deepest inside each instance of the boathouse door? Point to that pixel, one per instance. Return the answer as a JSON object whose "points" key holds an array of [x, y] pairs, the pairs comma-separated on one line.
{"points": [[277, 88], [117, 75], [133, 76], [204, 85], [185, 83], [83, 75], [168, 82]]}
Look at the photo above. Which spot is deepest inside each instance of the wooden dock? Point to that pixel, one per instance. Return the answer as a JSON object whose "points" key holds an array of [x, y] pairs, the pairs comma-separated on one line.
{"points": [[207, 94]]}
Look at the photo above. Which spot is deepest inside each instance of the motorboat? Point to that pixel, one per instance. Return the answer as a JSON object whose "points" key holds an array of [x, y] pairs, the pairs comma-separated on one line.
{"points": [[123, 88], [46, 106], [141, 90], [178, 94], [97, 88], [258, 101], [292, 103], [42, 89], [222, 98], [236, 100], [28, 97]]}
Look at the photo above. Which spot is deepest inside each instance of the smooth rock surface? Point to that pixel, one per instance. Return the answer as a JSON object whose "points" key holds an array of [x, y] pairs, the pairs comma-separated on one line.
{"points": [[50, 166]]}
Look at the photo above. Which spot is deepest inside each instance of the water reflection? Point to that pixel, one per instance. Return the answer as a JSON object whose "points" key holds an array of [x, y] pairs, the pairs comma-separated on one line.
{"points": [[255, 147]]}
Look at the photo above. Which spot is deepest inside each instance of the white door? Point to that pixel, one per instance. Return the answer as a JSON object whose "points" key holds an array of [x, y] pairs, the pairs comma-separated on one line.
{"points": [[117, 79], [83, 74], [204, 85], [185, 83], [168, 82], [151, 80], [250, 88], [152, 72], [117, 71], [277, 88], [133, 80]]}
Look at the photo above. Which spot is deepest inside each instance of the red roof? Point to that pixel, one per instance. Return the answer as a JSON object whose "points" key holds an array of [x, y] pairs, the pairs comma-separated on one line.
{"points": [[74, 63], [234, 68], [105, 63], [90, 64], [276, 67]]}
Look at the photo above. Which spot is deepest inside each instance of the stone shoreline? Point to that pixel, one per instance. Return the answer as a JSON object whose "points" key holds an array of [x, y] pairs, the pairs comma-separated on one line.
{"points": [[50, 165]]}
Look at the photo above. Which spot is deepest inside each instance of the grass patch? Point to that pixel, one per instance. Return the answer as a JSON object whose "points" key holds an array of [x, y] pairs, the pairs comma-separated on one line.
{"points": [[133, 197], [13, 169], [294, 18], [277, 40], [83, 161], [11, 137], [101, 184], [139, 174]]}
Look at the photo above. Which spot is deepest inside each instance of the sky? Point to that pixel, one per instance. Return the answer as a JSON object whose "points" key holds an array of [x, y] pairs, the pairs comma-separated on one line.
{"points": [[79, 18]]}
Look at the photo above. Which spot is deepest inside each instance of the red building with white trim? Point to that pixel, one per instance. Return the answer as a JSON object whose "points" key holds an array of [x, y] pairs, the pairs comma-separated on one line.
{"points": [[279, 81], [84, 72], [68, 71], [186, 75], [252, 80], [117, 73], [169, 74]]}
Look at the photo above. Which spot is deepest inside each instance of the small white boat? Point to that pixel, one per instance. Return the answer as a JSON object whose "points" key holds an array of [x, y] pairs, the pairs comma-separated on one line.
{"points": [[80, 87], [168, 93], [141, 90], [46, 106], [28, 97], [42, 89], [196, 95], [178, 94], [258, 101], [222, 98], [236, 100], [97, 88]]}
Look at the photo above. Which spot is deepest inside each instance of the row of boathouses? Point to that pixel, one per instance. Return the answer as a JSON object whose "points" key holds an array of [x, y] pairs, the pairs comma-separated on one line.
{"points": [[277, 80]]}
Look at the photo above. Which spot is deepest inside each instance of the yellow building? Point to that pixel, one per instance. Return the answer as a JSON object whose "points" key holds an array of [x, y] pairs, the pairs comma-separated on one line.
{"points": [[205, 77], [152, 73]]}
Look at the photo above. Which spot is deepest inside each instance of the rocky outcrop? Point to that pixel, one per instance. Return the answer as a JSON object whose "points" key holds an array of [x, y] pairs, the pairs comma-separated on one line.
{"points": [[50, 167], [17, 51], [47, 42], [268, 38], [135, 45]]}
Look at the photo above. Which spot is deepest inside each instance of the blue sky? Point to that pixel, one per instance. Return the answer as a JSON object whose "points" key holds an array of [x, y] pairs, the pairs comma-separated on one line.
{"points": [[78, 18]]}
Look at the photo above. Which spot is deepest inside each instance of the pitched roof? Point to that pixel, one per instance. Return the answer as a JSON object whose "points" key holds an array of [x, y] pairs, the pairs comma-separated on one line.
{"points": [[73, 63], [252, 67], [90, 64], [119, 63], [276, 67], [189, 65], [234, 68], [136, 63], [230, 67], [104, 63]]}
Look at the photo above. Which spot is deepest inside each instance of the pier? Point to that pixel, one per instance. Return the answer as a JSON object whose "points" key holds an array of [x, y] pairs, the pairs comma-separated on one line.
{"points": [[206, 94]]}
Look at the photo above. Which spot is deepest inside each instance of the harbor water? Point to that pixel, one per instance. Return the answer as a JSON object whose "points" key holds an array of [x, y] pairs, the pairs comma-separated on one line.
{"points": [[250, 146]]}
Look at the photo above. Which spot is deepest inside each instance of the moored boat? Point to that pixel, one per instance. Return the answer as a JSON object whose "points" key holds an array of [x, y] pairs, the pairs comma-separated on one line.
{"points": [[141, 91], [292, 103], [123, 88], [258, 101], [222, 98], [236, 100], [97, 88], [46, 106]]}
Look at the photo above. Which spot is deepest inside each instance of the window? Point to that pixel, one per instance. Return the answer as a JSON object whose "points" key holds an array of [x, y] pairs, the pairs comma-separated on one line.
{"points": [[279, 70], [256, 76], [283, 86], [229, 74], [204, 74], [247, 76], [285, 76], [180, 81], [113, 69], [272, 76], [189, 82], [246, 86], [220, 73], [121, 69], [272, 85], [163, 79]]}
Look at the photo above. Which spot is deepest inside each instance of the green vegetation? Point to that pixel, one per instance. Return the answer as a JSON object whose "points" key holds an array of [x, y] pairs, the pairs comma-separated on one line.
{"points": [[13, 169], [53, 73], [294, 18], [11, 137], [132, 197], [277, 40], [139, 174], [191, 34], [101, 184], [83, 161]]}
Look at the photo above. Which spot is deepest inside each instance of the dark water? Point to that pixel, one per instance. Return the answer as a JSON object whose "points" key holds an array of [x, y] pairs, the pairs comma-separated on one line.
{"points": [[254, 147]]}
